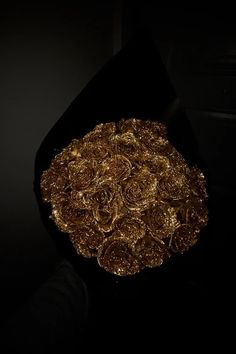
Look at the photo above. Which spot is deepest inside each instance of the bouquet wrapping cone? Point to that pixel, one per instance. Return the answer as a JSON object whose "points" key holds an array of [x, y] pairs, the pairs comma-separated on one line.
{"points": [[134, 83]]}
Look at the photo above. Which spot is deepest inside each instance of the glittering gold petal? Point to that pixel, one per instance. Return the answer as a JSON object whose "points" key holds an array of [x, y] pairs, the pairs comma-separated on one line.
{"points": [[115, 256]]}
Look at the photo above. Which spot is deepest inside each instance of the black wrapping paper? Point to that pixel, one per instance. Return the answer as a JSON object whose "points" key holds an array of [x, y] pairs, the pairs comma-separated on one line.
{"points": [[134, 83]]}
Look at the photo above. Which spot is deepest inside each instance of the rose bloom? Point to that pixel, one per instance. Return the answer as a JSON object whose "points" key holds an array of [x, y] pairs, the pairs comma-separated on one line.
{"points": [[95, 150], [106, 216], [139, 191], [161, 219], [117, 168], [184, 237], [105, 201], [174, 186], [126, 144], [64, 213], [82, 173], [116, 256], [53, 181], [86, 239], [102, 195], [131, 227], [151, 252]]}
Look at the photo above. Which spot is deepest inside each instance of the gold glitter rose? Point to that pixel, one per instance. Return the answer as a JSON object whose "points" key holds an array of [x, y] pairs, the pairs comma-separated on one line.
{"points": [[116, 256], [140, 190], [151, 252], [117, 168], [126, 196]]}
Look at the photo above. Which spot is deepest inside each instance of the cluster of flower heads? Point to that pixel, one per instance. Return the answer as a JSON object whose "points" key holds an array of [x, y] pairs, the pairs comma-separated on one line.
{"points": [[125, 195]]}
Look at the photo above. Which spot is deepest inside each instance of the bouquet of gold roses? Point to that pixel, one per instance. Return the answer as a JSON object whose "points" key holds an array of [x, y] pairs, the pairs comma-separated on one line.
{"points": [[125, 195]]}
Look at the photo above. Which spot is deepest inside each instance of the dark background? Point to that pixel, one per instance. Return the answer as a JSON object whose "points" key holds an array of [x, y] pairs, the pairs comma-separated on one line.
{"points": [[49, 54]]}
